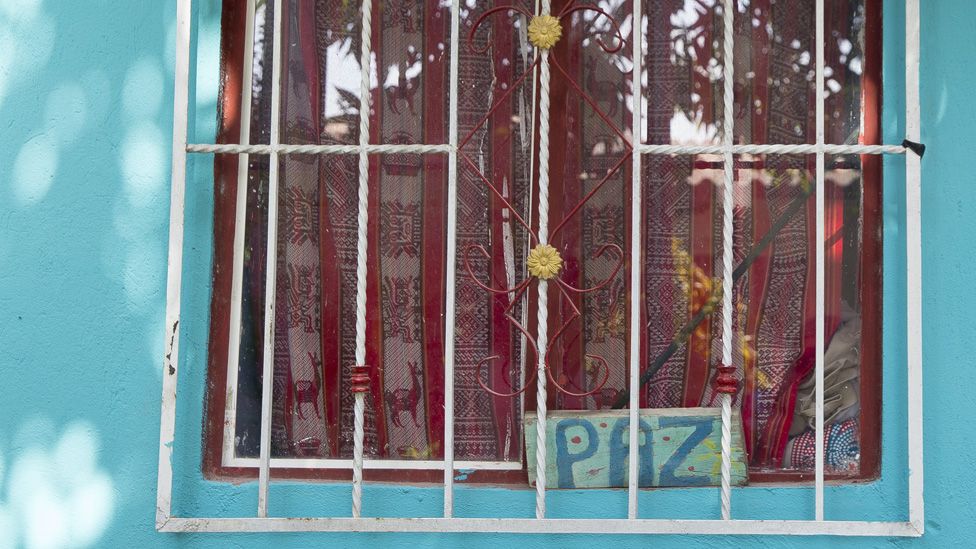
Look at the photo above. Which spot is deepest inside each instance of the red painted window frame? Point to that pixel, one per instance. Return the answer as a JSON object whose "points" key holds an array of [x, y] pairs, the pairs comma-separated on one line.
{"points": [[225, 177]]}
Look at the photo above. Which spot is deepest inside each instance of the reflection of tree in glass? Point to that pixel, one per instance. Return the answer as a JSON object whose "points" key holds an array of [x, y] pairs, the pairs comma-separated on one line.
{"points": [[695, 28]]}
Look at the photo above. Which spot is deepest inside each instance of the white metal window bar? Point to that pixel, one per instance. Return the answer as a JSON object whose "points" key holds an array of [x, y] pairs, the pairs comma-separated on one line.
{"points": [[632, 524]]}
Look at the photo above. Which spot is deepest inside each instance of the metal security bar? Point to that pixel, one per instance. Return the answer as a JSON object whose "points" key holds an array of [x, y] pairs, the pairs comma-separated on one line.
{"points": [[727, 149], [264, 472]]}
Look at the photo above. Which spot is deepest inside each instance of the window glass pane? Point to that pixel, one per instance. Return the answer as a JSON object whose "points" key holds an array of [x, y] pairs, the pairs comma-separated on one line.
{"points": [[775, 71], [589, 224], [775, 102], [774, 299], [315, 331], [850, 387], [591, 168], [495, 127], [683, 71]]}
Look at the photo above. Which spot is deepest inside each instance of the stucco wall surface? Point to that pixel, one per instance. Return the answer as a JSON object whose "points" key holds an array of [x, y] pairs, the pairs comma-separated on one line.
{"points": [[85, 144]]}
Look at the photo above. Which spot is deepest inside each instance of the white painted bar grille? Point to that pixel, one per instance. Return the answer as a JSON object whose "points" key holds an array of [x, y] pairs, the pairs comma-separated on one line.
{"points": [[542, 326], [451, 287], [240, 225], [820, 235], [728, 113], [632, 524], [635, 273], [264, 468]]}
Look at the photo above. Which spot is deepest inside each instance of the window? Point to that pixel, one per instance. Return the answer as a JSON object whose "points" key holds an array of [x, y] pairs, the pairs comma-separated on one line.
{"points": [[681, 241], [531, 152]]}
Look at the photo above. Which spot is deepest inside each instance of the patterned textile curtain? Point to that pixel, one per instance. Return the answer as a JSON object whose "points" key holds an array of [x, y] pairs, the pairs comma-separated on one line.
{"points": [[681, 232], [775, 300]]}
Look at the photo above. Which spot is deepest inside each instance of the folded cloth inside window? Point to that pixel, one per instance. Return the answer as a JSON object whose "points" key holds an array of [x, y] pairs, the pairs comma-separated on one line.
{"points": [[842, 450], [842, 361]]}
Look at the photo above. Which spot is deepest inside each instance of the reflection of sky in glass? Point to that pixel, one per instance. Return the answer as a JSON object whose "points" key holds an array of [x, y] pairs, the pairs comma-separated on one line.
{"points": [[689, 24], [260, 17], [688, 33], [342, 66]]}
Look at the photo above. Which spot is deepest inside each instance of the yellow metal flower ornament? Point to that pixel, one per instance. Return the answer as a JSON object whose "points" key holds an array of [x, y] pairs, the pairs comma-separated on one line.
{"points": [[544, 31], [544, 262]]}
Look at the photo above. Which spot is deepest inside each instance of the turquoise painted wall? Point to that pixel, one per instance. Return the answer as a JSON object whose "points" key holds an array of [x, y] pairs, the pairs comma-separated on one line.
{"points": [[85, 127]]}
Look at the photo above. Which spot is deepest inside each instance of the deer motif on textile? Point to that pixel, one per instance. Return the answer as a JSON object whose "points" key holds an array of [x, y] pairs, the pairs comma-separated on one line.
{"points": [[406, 399], [307, 391]]}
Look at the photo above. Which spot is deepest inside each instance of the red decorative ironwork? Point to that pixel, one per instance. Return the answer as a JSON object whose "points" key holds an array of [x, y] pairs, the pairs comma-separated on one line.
{"points": [[725, 381], [360, 379], [564, 288]]}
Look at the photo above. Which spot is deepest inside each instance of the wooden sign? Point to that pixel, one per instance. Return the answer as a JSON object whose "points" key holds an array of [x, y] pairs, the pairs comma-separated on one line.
{"points": [[678, 447]]}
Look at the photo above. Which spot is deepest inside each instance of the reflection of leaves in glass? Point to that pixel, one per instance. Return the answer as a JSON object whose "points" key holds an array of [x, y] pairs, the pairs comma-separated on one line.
{"points": [[349, 102], [696, 30], [691, 278], [412, 452], [797, 177], [688, 32], [702, 293], [745, 340]]}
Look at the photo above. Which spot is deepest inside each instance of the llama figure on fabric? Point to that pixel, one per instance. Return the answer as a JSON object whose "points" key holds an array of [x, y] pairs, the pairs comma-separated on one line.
{"points": [[406, 400], [307, 391]]}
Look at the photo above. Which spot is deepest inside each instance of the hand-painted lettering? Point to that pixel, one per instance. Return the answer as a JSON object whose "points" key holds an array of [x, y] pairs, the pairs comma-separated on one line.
{"points": [[703, 428], [564, 459], [620, 454]]}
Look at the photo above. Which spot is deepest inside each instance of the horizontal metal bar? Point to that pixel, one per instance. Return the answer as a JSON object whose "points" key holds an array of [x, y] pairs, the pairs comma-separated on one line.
{"points": [[316, 149], [377, 464], [771, 149], [543, 526], [643, 149]]}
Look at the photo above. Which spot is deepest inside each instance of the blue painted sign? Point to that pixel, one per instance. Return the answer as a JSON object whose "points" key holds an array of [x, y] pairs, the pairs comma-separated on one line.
{"points": [[677, 447]]}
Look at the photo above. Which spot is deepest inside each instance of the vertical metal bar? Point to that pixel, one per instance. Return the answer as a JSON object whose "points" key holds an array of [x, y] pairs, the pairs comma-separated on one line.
{"points": [[913, 237], [449, 316], [637, 125], [174, 281], [267, 375], [240, 216], [728, 114], [820, 240], [523, 342], [362, 222], [543, 302]]}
